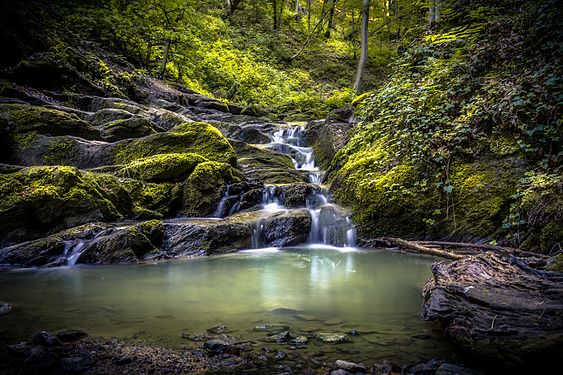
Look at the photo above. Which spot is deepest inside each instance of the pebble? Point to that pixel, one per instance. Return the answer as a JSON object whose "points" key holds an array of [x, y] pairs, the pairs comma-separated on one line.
{"points": [[351, 366]]}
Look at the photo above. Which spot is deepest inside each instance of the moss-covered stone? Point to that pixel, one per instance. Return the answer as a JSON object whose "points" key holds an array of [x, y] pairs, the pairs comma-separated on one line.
{"points": [[23, 118], [189, 137], [204, 187], [267, 166], [134, 127], [164, 167], [40, 200]]}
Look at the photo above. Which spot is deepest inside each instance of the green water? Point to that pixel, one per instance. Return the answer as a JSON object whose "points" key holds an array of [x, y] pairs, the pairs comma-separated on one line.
{"points": [[374, 292]]}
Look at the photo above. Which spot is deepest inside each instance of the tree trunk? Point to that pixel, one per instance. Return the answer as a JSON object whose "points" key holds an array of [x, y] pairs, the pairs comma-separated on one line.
{"points": [[330, 18], [364, 50], [434, 12], [165, 58], [308, 16], [275, 3]]}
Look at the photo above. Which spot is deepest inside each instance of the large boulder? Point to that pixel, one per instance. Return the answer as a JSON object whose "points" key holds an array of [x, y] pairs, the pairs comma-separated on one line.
{"points": [[165, 167], [125, 244], [194, 137], [41, 200], [134, 127], [203, 189], [284, 228], [266, 166]]}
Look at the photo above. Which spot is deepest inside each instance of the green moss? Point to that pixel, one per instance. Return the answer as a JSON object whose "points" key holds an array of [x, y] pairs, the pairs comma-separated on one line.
{"points": [[163, 167], [203, 189], [22, 118], [481, 195], [22, 141], [198, 138], [59, 151]]}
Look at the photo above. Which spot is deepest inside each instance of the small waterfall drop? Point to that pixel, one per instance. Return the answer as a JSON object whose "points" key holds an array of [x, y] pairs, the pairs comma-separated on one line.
{"points": [[330, 223], [72, 251]]}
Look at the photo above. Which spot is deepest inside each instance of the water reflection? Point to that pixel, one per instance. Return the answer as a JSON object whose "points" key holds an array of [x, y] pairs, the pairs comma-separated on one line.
{"points": [[368, 291]]}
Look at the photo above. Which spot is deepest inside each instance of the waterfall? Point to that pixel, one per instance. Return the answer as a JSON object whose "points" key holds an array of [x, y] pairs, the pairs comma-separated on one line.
{"points": [[72, 251], [330, 223]]}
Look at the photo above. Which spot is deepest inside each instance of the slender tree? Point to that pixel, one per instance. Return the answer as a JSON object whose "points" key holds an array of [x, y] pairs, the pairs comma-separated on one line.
{"points": [[364, 49], [330, 25]]}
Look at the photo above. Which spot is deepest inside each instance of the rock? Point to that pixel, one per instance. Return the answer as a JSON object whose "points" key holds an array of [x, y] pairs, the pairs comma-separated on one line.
{"points": [[385, 367], [45, 338], [188, 137], [216, 346], [202, 190], [286, 228], [286, 311], [266, 166], [326, 138], [427, 368], [283, 336], [305, 317], [22, 121], [451, 369], [270, 328], [218, 329], [47, 250], [40, 355], [108, 115], [351, 366], [70, 335], [78, 362], [332, 338], [125, 244], [134, 127], [5, 308], [164, 167], [340, 372], [493, 315], [122, 360], [207, 236], [299, 341]]}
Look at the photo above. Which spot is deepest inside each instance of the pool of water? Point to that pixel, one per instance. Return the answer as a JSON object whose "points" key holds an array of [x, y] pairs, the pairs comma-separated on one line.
{"points": [[312, 290]]}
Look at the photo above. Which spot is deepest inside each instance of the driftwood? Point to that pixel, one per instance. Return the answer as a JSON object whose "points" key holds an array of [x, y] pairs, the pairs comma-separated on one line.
{"points": [[419, 248], [498, 306], [476, 247], [457, 250]]}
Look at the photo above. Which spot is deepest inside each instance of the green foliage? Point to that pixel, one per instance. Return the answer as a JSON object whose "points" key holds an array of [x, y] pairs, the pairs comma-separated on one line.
{"points": [[467, 111]]}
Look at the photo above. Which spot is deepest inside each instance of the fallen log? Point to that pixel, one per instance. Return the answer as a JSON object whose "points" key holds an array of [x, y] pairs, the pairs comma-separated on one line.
{"points": [[419, 248], [498, 307], [483, 246]]}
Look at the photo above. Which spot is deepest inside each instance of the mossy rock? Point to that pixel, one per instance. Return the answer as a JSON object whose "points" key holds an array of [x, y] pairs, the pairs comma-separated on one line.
{"points": [[164, 167], [41, 200], [203, 189], [125, 244], [35, 149], [134, 127], [267, 166], [107, 115], [22, 118], [189, 137]]}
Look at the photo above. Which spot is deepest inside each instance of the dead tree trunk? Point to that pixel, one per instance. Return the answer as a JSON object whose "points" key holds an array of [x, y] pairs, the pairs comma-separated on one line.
{"points": [[364, 49]]}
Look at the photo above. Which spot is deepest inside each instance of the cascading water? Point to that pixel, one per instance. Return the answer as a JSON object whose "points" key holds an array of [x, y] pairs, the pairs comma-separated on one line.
{"points": [[330, 223], [72, 251]]}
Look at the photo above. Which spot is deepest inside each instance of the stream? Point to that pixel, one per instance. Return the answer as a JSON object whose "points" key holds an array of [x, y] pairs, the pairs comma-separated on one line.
{"points": [[338, 300]]}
